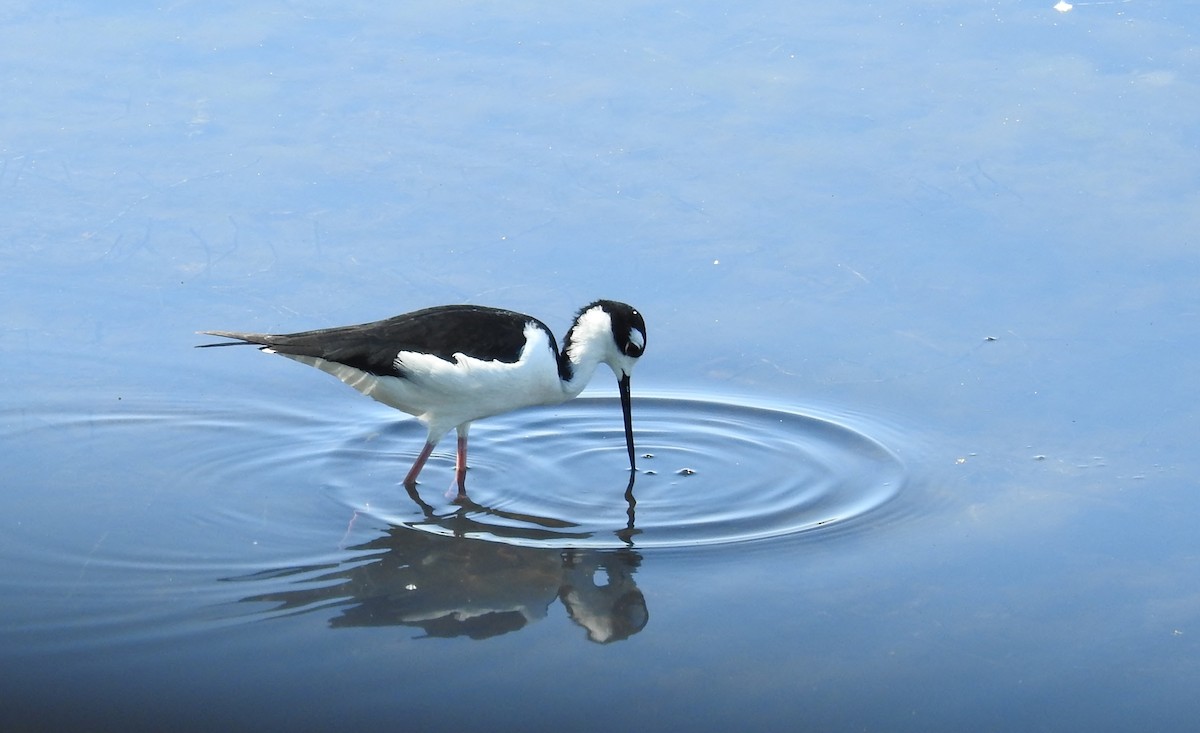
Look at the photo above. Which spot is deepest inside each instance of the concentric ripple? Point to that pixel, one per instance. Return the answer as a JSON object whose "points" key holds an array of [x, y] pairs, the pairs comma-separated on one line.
{"points": [[708, 473]]}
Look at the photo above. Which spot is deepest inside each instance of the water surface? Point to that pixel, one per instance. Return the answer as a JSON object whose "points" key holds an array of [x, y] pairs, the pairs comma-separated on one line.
{"points": [[915, 423]]}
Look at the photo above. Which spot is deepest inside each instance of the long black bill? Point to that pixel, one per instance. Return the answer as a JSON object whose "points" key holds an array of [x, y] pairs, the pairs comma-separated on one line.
{"points": [[626, 410]]}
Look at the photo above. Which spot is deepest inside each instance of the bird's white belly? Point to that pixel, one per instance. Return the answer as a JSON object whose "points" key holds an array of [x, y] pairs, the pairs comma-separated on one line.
{"points": [[446, 394]]}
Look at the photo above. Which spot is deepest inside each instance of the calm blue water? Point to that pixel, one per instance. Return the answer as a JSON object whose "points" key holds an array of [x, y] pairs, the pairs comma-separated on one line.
{"points": [[917, 415]]}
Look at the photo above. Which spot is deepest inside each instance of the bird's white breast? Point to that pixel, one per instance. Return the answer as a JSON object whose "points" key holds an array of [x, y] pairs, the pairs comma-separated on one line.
{"points": [[444, 394]]}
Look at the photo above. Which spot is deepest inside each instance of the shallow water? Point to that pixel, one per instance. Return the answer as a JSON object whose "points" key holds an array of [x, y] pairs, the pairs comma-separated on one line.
{"points": [[711, 473], [549, 480], [915, 422]]}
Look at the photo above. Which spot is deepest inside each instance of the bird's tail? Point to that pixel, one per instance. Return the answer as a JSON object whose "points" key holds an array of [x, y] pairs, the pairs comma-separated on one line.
{"points": [[243, 339]]}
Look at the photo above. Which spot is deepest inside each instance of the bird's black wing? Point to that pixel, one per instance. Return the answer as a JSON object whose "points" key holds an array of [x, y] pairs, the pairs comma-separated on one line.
{"points": [[443, 331]]}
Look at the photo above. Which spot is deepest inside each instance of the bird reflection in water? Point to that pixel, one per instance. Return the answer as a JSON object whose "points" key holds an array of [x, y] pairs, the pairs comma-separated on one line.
{"points": [[437, 575]]}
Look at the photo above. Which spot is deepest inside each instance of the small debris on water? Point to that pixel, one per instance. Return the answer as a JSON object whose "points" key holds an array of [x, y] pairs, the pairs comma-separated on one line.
{"points": [[685, 472]]}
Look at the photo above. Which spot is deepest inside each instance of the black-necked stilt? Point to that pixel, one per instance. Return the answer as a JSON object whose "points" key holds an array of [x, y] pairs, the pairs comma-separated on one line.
{"points": [[453, 364]]}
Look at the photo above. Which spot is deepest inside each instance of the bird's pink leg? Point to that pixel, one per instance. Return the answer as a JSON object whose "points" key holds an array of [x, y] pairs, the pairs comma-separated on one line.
{"points": [[411, 478], [458, 490]]}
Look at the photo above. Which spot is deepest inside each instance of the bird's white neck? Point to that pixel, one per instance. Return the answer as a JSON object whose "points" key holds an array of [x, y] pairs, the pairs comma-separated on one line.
{"points": [[588, 344]]}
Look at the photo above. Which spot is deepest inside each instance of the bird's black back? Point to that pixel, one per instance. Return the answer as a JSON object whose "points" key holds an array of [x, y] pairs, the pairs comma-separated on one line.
{"points": [[443, 331]]}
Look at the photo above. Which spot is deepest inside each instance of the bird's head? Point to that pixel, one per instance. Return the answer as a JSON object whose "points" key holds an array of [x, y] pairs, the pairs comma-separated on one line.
{"points": [[628, 331], [620, 333]]}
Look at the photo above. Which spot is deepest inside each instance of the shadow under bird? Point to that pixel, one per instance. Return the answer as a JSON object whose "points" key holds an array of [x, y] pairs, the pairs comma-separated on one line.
{"points": [[454, 364]]}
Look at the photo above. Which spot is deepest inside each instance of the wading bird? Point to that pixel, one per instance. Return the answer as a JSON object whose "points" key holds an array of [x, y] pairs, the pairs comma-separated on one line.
{"points": [[453, 364]]}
